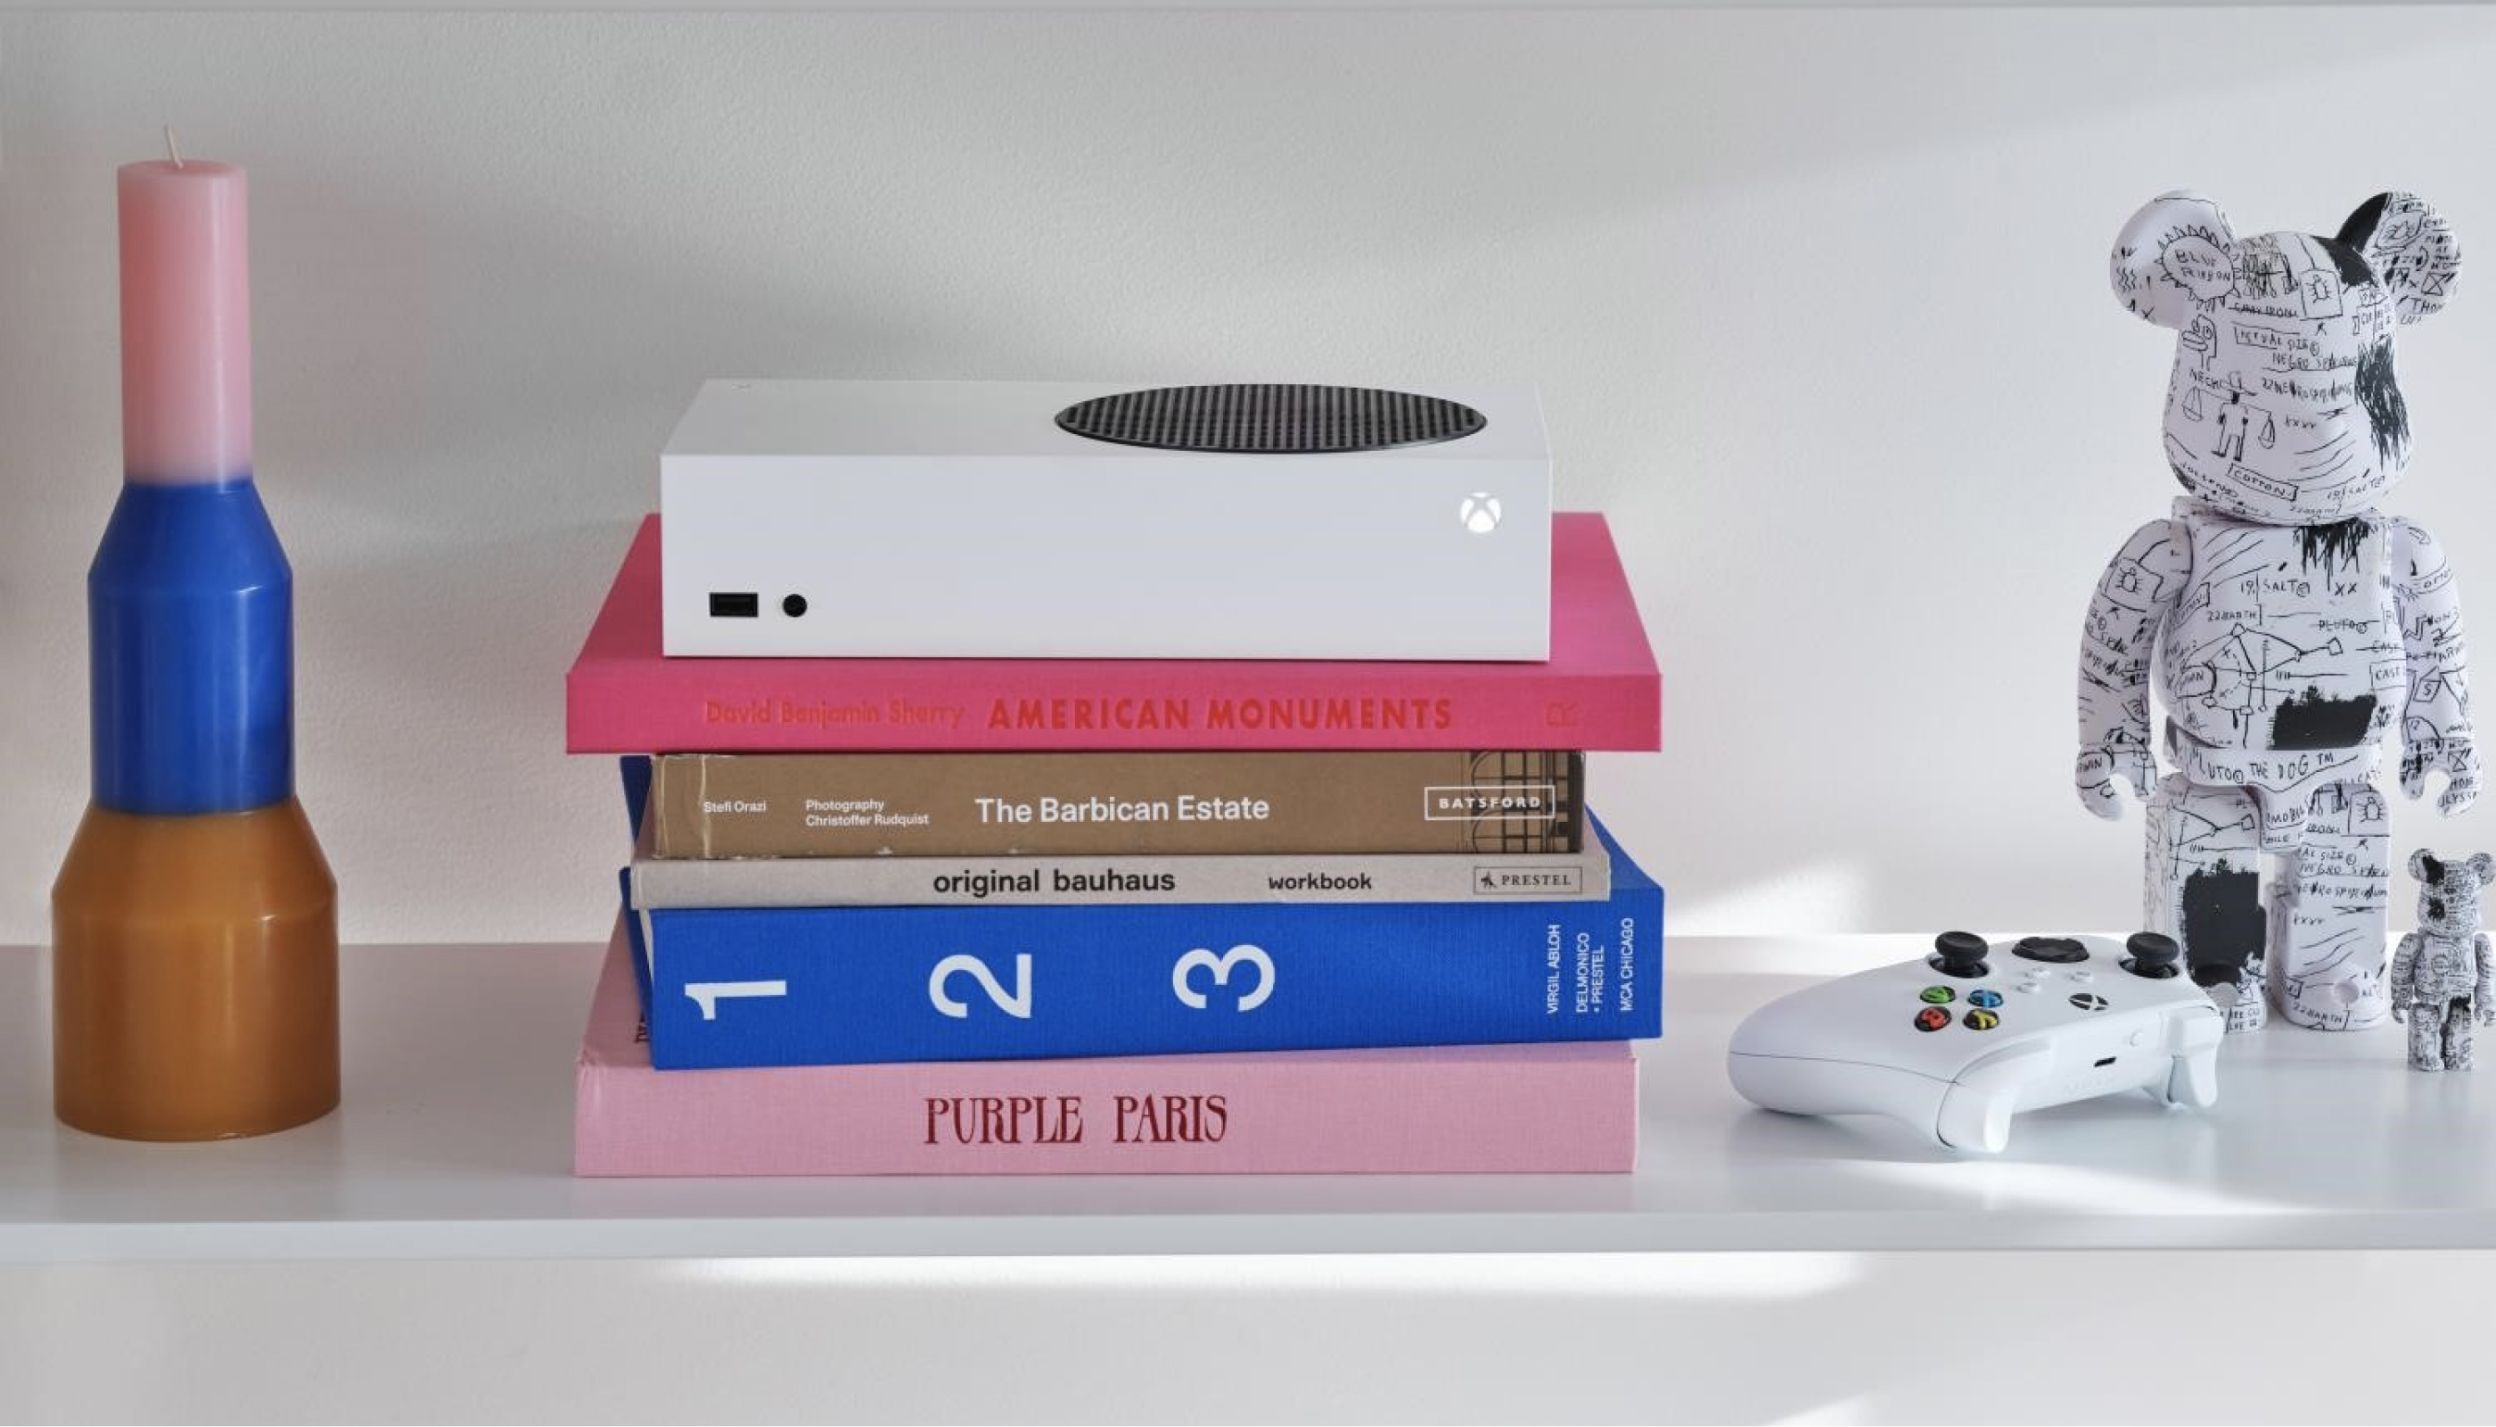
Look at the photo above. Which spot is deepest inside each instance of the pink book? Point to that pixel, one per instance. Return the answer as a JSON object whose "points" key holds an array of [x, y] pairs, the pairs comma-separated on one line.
{"points": [[1599, 690], [1464, 1110]]}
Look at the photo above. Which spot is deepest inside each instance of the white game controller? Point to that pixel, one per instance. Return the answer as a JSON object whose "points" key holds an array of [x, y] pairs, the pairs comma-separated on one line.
{"points": [[1954, 1043]]}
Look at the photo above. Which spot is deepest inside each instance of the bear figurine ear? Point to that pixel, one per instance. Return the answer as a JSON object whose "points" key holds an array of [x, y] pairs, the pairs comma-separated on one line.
{"points": [[2484, 866], [2410, 247], [2424, 867], [2174, 258]]}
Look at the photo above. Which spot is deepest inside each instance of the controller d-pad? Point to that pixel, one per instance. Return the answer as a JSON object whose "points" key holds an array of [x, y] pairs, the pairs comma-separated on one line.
{"points": [[1982, 1020], [2089, 1001], [2050, 948], [1937, 995], [1932, 1018], [1984, 998]]}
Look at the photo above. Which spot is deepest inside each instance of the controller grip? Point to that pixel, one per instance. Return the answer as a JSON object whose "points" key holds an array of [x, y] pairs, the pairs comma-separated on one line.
{"points": [[2194, 1042], [1976, 1113], [1799, 1086]]}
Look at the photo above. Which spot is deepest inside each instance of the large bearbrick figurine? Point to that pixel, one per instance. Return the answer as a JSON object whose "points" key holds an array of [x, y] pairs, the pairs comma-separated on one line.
{"points": [[2289, 625]]}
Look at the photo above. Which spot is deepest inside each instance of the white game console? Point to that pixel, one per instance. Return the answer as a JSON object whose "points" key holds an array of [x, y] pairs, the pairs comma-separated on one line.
{"points": [[1954, 1044], [1070, 520]]}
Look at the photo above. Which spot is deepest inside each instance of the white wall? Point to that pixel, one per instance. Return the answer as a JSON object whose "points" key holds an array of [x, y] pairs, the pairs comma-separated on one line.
{"points": [[1816, 300]]}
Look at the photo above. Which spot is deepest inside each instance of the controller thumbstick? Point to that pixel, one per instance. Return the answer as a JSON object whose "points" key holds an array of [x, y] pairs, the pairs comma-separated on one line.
{"points": [[2152, 955], [1959, 954]]}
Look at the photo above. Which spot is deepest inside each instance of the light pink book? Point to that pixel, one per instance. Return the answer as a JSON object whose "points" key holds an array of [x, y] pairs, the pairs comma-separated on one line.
{"points": [[1540, 1109], [1599, 690]]}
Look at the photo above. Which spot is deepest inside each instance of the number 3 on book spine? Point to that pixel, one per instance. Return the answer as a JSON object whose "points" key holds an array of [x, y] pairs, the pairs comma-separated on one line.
{"points": [[1221, 967], [1016, 1003]]}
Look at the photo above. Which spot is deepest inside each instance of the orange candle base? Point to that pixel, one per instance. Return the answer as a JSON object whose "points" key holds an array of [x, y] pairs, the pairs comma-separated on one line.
{"points": [[194, 976]]}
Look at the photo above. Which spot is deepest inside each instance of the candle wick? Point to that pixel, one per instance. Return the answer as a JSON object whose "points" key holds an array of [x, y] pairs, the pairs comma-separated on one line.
{"points": [[171, 149]]}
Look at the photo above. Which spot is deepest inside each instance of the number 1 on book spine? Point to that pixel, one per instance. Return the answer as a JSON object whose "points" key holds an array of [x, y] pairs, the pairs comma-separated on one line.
{"points": [[708, 994]]}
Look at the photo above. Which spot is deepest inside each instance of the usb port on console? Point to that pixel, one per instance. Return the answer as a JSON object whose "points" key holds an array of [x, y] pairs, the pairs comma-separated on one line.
{"points": [[736, 606]]}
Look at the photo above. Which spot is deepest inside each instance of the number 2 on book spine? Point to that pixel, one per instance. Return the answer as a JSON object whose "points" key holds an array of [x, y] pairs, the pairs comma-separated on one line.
{"points": [[1016, 1004], [1221, 967]]}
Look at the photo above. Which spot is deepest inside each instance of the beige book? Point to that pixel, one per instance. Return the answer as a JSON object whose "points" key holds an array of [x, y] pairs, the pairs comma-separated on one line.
{"points": [[1009, 804]]}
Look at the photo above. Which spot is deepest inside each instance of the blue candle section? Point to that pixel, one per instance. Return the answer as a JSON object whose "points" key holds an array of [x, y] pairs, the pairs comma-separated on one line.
{"points": [[190, 630]]}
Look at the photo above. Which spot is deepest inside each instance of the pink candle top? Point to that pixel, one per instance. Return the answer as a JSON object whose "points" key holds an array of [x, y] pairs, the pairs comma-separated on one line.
{"points": [[185, 322]]}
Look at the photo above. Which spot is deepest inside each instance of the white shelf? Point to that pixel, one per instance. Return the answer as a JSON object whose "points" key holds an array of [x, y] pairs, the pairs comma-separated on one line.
{"points": [[455, 1139], [732, 7]]}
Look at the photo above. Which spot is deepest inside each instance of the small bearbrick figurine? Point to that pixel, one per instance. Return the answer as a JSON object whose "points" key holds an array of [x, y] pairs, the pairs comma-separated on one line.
{"points": [[2289, 625], [2444, 976]]}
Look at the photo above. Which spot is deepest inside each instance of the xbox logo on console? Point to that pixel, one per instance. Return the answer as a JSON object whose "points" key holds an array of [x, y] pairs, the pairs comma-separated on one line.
{"points": [[1480, 512]]}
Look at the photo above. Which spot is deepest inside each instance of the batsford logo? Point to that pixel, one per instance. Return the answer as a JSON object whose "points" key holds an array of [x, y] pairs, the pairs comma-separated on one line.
{"points": [[1479, 512], [1506, 802]]}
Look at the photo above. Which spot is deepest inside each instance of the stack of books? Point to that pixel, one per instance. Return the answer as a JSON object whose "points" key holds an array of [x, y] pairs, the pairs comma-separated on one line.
{"points": [[995, 916]]}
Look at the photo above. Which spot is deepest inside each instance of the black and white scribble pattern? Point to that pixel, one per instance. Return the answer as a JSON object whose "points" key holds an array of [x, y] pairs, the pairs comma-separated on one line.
{"points": [[2285, 623], [2441, 982]]}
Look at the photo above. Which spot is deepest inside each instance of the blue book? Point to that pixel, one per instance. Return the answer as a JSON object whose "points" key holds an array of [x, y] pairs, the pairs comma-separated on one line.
{"points": [[859, 985]]}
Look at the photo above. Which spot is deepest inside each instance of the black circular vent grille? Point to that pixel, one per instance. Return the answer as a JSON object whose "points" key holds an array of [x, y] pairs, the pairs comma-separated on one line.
{"points": [[1270, 418]]}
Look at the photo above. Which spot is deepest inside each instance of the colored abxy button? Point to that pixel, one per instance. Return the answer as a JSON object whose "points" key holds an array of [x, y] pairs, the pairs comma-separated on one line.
{"points": [[1938, 995], [1931, 1018], [1982, 1020], [1986, 999]]}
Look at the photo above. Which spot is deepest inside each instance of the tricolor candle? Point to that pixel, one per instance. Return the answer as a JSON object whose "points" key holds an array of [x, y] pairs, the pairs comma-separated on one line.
{"points": [[195, 920]]}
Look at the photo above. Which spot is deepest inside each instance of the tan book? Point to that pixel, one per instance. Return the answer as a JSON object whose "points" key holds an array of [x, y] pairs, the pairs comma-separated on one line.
{"points": [[1007, 804]]}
